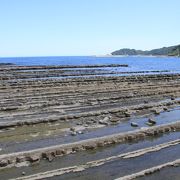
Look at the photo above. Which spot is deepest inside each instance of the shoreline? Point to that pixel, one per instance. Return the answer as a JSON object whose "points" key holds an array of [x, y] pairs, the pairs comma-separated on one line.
{"points": [[149, 56]]}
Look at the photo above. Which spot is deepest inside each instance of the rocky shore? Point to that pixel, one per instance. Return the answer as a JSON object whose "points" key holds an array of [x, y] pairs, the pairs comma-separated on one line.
{"points": [[44, 118]]}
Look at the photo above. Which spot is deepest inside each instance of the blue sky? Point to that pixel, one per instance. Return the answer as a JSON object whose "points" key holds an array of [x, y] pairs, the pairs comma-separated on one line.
{"points": [[86, 27]]}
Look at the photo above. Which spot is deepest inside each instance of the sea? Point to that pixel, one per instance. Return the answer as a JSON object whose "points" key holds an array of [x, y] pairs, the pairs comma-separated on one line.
{"points": [[135, 64]]}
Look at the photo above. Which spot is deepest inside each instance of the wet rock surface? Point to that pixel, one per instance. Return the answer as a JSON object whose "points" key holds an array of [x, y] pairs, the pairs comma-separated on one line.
{"points": [[43, 119]]}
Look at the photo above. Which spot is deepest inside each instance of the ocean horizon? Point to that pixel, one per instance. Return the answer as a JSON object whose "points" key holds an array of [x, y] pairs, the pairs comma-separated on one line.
{"points": [[138, 63]]}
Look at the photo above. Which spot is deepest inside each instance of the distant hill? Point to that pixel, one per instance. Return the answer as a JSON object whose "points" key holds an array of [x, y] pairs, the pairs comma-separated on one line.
{"points": [[165, 51]]}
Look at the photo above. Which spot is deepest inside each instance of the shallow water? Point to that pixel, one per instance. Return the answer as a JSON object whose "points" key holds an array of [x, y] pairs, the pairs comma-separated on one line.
{"points": [[100, 153], [120, 168], [163, 118]]}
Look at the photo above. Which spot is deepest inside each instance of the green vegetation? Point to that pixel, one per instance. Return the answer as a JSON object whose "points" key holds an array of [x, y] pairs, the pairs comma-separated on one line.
{"points": [[165, 51]]}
